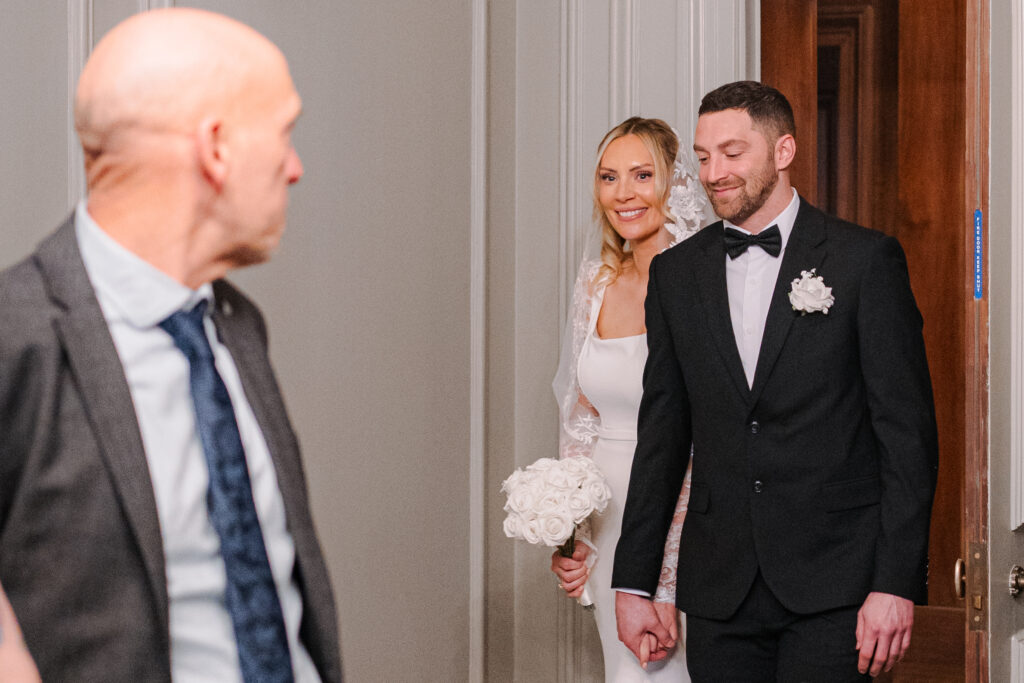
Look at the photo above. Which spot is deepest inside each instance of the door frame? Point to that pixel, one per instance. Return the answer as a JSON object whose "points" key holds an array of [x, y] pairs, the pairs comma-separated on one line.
{"points": [[976, 491]]}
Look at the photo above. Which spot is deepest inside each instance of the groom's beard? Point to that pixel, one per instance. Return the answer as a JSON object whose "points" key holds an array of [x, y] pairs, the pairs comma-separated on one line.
{"points": [[754, 192]]}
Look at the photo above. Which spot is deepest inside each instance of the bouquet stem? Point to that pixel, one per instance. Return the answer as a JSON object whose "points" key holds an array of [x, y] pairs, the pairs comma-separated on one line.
{"points": [[569, 547]]}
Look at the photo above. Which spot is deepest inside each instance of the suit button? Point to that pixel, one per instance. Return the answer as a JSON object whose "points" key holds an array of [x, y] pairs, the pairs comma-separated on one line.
{"points": [[755, 427], [758, 486]]}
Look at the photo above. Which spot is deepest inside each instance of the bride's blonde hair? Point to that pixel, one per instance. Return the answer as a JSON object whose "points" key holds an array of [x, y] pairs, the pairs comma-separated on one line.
{"points": [[662, 144]]}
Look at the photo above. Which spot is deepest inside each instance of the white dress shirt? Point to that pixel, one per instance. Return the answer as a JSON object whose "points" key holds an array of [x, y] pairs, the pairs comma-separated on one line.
{"points": [[750, 279], [135, 297]]}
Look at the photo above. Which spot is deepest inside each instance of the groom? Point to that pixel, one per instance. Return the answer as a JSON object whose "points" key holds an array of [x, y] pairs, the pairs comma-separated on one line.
{"points": [[786, 346]]}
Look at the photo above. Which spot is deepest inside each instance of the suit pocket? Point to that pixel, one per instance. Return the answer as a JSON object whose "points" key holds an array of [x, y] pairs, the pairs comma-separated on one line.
{"points": [[699, 499], [847, 495]]}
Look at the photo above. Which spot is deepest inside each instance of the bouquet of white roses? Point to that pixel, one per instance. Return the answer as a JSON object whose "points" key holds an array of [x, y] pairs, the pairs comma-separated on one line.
{"points": [[550, 498]]}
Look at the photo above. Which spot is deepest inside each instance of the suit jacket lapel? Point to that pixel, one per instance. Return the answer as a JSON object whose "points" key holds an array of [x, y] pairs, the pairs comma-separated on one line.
{"points": [[710, 275], [805, 250], [100, 377]]}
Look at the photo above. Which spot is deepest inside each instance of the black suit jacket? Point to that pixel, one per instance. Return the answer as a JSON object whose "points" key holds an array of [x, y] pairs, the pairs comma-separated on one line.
{"points": [[81, 556], [822, 474]]}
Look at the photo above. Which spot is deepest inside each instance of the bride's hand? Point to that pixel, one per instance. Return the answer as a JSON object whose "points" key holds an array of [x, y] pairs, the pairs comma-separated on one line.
{"points": [[572, 572], [668, 615]]}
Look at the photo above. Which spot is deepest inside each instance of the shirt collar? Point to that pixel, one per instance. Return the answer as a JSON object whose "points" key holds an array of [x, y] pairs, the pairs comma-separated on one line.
{"points": [[784, 220], [142, 294]]}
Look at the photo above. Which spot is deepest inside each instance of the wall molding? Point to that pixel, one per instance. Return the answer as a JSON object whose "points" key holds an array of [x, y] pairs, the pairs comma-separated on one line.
{"points": [[753, 65], [718, 42], [569, 137], [79, 43], [146, 5], [688, 64], [623, 98], [1017, 658], [1017, 271], [478, 342], [80, 40], [570, 644]]}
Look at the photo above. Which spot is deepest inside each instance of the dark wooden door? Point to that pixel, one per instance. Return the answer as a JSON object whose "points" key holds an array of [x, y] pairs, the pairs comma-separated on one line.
{"points": [[880, 92]]}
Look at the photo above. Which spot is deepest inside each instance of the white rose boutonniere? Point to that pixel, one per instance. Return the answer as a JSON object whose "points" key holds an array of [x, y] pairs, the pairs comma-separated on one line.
{"points": [[809, 293]]}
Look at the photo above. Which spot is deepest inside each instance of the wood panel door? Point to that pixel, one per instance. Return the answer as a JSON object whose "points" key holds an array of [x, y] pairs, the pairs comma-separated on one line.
{"points": [[887, 85]]}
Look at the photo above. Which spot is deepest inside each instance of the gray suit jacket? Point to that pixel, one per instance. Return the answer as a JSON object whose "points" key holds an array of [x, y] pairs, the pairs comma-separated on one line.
{"points": [[81, 555]]}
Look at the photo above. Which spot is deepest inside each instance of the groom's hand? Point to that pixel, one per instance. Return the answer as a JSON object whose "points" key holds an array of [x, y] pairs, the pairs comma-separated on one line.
{"points": [[637, 623], [884, 623]]}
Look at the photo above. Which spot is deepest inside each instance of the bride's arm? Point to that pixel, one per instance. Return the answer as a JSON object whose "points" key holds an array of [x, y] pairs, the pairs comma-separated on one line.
{"points": [[666, 591], [578, 420]]}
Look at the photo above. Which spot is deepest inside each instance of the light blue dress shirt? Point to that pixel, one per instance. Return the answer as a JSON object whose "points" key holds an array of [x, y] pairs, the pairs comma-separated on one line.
{"points": [[135, 297]]}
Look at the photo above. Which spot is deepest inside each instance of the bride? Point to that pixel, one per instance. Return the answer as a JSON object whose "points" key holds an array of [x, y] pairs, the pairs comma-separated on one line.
{"points": [[645, 200]]}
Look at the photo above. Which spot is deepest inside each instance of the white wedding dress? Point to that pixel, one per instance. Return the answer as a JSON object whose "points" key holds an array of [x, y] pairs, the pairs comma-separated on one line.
{"points": [[609, 380]]}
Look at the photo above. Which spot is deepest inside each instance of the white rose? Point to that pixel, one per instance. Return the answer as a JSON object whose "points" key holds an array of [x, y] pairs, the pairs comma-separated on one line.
{"points": [[559, 478], [521, 499], [542, 465], [550, 503], [556, 529], [809, 293], [511, 527], [592, 469], [531, 531], [577, 467], [580, 505], [512, 482], [598, 492]]}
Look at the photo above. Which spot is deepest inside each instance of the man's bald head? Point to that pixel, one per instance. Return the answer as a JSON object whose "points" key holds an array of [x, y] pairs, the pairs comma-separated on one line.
{"points": [[185, 119], [165, 70]]}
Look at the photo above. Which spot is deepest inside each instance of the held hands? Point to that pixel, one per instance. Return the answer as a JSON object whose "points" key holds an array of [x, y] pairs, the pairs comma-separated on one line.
{"points": [[668, 615], [641, 628], [572, 572], [884, 623]]}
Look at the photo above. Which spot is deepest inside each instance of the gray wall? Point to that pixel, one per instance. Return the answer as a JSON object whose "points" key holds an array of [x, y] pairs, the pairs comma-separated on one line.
{"points": [[33, 123], [367, 300]]}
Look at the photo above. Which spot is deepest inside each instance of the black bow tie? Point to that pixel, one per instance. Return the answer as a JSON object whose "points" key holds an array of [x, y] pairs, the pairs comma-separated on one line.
{"points": [[737, 242]]}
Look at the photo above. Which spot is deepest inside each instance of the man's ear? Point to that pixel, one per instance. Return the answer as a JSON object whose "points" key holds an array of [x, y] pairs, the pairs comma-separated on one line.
{"points": [[785, 151], [212, 152]]}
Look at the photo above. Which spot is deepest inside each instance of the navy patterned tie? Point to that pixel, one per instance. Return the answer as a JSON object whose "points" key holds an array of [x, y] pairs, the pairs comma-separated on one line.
{"points": [[250, 593]]}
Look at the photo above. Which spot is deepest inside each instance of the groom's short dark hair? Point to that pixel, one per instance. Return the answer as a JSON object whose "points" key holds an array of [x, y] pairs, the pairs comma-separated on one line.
{"points": [[768, 108]]}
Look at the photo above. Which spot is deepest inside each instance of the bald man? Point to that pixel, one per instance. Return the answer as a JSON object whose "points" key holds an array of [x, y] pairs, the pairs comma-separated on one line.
{"points": [[154, 521]]}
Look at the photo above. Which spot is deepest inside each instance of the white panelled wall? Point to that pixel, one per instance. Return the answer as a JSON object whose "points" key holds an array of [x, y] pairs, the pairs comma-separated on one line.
{"points": [[561, 74]]}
